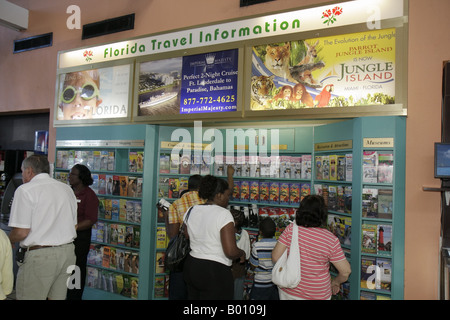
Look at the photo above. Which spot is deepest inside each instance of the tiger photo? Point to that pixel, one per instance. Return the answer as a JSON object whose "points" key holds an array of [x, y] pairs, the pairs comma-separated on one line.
{"points": [[262, 88]]}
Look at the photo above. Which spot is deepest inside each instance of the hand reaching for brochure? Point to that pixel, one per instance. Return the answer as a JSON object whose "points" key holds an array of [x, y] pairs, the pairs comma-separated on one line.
{"points": [[230, 170]]}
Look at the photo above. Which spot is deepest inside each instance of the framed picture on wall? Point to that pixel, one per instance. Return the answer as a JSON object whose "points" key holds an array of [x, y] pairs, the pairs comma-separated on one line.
{"points": [[94, 95], [160, 87], [348, 70], [193, 86]]}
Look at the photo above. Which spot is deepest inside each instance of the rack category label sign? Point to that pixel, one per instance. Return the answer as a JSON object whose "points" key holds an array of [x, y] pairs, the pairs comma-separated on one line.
{"points": [[378, 142], [333, 145], [185, 145]]}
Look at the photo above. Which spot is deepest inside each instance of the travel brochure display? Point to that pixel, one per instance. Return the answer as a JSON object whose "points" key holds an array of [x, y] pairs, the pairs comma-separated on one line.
{"points": [[123, 284], [375, 275], [259, 191], [338, 71], [376, 228], [203, 83], [117, 174], [376, 239], [378, 167], [336, 167], [265, 185], [355, 72]]}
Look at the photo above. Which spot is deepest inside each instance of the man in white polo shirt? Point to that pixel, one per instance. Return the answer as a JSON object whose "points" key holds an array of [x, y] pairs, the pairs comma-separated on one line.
{"points": [[44, 218]]}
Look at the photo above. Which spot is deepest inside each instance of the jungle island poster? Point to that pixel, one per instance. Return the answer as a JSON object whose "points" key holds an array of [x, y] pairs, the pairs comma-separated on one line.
{"points": [[348, 70]]}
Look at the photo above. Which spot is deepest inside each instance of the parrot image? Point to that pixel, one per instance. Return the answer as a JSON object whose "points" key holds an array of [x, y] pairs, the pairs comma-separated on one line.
{"points": [[322, 99]]}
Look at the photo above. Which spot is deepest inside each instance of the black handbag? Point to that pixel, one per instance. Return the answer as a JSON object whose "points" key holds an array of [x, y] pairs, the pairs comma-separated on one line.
{"points": [[178, 249]]}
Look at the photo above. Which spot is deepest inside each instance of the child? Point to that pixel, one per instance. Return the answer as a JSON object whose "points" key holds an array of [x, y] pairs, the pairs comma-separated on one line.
{"points": [[261, 260], [79, 98], [238, 269]]}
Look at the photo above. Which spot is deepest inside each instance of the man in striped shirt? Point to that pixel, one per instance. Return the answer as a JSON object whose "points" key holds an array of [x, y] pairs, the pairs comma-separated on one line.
{"points": [[180, 206], [261, 260]]}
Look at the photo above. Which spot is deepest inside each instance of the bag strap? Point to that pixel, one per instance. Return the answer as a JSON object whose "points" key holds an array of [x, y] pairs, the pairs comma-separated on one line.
{"points": [[187, 217], [188, 214], [295, 234]]}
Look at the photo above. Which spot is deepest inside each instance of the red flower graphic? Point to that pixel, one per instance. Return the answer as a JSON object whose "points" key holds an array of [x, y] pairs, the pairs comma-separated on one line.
{"points": [[330, 15], [327, 13], [337, 11], [87, 54]]}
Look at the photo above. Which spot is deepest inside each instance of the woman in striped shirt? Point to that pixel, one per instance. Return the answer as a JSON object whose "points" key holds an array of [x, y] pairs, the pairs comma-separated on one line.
{"points": [[318, 247]]}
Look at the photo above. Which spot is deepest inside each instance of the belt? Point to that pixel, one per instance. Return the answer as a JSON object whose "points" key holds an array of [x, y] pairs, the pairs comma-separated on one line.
{"points": [[41, 247], [38, 247]]}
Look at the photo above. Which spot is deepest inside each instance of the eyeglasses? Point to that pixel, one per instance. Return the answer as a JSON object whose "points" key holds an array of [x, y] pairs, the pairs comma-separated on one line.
{"points": [[88, 91]]}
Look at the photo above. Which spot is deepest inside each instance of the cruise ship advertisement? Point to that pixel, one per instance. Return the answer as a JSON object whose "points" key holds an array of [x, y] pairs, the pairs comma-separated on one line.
{"points": [[209, 82], [159, 87], [202, 83]]}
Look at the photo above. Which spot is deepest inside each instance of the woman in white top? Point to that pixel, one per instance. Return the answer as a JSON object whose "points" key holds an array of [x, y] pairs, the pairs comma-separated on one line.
{"points": [[210, 227]]}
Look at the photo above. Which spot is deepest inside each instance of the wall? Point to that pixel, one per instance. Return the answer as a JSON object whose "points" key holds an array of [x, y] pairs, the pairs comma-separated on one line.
{"points": [[429, 46], [27, 83]]}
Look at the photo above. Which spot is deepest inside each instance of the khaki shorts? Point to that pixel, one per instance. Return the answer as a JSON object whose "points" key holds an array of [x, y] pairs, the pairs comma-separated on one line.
{"points": [[43, 273]]}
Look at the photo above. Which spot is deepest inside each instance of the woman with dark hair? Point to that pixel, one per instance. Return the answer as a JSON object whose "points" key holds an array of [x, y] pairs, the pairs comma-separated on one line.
{"points": [[318, 247], [210, 227], [80, 179]]}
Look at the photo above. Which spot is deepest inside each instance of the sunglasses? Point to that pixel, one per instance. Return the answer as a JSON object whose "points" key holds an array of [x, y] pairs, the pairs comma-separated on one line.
{"points": [[88, 91]]}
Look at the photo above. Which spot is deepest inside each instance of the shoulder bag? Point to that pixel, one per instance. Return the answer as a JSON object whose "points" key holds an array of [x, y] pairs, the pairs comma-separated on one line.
{"points": [[286, 271], [178, 248]]}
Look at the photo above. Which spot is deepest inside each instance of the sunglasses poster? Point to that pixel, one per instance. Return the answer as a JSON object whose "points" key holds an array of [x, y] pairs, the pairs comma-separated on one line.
{"points": [[347, 70], [94, 94]]}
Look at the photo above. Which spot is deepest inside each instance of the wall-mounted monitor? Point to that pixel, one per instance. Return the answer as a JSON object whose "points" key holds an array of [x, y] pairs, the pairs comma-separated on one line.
{"points": [[41, 141], [442, 160]]}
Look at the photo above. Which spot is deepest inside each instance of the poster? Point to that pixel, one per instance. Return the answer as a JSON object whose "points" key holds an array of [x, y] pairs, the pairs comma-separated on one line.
{"points": [[203, 83], [338, 71], [94, 94], [159, 87], [210, 82]]}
